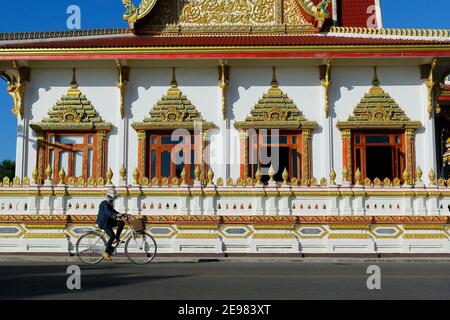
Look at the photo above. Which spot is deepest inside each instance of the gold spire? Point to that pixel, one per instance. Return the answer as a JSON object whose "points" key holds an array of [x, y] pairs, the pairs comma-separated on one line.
{"points": [[174, 83], [274, 77], [74, 83], [376, 81]]}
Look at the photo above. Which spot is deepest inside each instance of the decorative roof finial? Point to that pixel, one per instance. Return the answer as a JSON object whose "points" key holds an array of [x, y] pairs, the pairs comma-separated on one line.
{"points": [[174, 82], [74, 83], [376, 81], [274, 77]]}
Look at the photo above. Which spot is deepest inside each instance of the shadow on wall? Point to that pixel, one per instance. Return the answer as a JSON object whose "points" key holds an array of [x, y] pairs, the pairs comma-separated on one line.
{"points": [[8, 124]]}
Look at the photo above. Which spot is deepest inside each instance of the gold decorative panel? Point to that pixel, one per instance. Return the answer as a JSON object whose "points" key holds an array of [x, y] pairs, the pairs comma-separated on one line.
{"points": [[224, 12]]}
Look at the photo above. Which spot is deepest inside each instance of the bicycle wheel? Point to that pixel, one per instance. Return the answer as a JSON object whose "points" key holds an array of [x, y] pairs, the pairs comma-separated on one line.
{"points": [[140, 248], [90, 247]]}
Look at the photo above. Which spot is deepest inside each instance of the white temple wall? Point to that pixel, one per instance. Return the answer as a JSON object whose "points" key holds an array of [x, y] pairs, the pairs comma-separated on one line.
{"points": [[247, 86]]}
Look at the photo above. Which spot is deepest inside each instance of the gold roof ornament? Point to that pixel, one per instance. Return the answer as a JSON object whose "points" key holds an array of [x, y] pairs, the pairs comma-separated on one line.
{"points": [[378, 110], [173, 111], [226, 16], [72, 112], [275, 110]]}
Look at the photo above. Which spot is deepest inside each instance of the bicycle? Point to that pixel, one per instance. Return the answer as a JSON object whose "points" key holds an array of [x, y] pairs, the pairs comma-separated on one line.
{"points": [[140, 247]]}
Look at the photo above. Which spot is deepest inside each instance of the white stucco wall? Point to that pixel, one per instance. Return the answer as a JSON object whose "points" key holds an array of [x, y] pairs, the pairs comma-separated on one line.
{"points": [[247, 85]]}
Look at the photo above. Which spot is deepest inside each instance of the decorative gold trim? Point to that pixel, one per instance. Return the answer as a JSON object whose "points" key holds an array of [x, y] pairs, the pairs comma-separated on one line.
{"points": [[273, 226], [224, 80], [122, 81], [349, 227], [349, 236], [325, 77], [431, 83], [44, 236], [196, 227], [441, 33], [197, 236], [425, 236], [274, 236], [424, 227]]}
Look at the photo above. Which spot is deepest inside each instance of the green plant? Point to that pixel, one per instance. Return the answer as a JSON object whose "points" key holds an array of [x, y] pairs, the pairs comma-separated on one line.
{"points": [[7, 169]]}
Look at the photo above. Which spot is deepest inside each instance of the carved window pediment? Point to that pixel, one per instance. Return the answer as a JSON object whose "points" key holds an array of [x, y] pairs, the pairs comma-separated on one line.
{"points": [[378, 110], [173, 111], [275, 110], [72, 112]]}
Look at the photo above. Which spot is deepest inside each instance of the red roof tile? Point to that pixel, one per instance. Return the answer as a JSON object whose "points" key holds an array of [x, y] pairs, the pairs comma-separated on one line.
{"points": [[355, 13], [128, 41]]}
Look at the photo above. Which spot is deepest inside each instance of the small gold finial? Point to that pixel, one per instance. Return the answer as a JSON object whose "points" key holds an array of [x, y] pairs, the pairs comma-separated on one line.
{"points": [[285, 176], [62, 176], [419, 174], [109, 176], [376, 81], [258, 176], [174, 83], [74, 83], [345, 174], [122, 173], [197, 173], [406, 177], [358, 176], [271, 174], [135, 176], [48, 172], [183, 176], [432, 177], [210, 176], [332, 177], [274, 77], [35, 175]]}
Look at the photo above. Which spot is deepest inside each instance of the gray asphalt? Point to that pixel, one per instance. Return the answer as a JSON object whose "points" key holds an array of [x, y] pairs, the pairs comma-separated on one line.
{"points": [[234, 280]]}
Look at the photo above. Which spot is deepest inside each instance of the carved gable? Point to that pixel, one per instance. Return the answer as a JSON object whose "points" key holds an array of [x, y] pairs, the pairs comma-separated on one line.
{"points": [[275, 110], [213, 16], [72, 112], [173, 111], [378, 110]]}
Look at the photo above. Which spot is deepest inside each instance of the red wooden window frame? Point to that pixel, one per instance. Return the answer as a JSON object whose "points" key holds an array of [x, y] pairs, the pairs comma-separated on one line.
{"points": [[396, 142], [294, 142], [155, 144], [58, 148]]}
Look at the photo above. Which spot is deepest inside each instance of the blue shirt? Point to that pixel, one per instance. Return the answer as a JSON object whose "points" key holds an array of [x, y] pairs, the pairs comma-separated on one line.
{"points": [[106, 215]]}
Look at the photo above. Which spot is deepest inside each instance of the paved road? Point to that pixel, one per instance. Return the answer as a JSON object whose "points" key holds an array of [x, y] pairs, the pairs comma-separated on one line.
{"points": [[226, 280]]}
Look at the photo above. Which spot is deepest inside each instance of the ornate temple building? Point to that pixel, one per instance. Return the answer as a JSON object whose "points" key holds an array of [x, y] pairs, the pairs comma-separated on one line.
{"points": [[233, 126]]}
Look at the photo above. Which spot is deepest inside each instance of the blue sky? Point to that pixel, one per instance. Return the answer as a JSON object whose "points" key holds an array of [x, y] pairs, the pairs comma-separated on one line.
{"points": [[46, 15]]}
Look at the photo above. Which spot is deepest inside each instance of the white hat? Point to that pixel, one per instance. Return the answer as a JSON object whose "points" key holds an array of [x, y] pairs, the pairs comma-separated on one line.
{"points": [[112, 194]]}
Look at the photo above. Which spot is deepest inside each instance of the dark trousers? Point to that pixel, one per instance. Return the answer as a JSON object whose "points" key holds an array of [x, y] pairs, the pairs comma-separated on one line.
{"points": [[110, 232]]}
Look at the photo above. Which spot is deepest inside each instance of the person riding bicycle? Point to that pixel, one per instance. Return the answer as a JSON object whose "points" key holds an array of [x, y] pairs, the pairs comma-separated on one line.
{"points": [[107, 219]]}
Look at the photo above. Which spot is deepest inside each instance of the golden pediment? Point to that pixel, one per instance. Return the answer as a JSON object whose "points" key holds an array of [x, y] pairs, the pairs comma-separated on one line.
{"points": [[72, 112], [200, 16], [275, 110], [377, 109]]}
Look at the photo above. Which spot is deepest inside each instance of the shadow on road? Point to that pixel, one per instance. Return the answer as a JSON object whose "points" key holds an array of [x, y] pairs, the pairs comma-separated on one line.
{"points": [[34, 281]]}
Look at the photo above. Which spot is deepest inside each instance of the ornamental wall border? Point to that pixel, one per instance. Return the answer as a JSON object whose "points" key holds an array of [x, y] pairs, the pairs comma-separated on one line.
{"points": [[208, 221], [9, 52], [92, 193]]}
